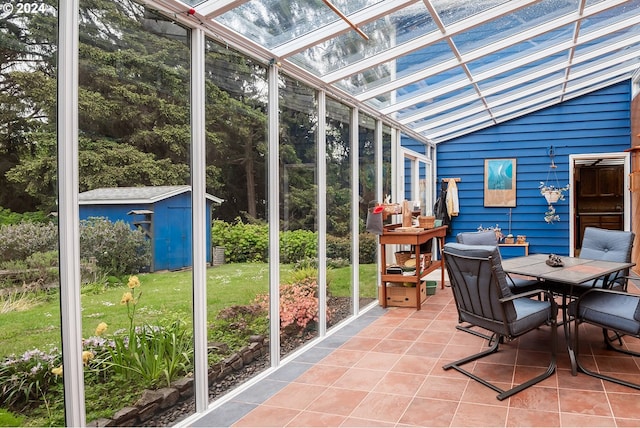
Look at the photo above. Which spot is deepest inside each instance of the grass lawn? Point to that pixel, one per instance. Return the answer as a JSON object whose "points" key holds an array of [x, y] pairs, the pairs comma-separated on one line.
{"points": [[164, 295]]}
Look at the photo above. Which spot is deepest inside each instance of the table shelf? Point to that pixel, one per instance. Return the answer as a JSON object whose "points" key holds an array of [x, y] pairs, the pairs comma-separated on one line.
{"points": [[415, 239]]}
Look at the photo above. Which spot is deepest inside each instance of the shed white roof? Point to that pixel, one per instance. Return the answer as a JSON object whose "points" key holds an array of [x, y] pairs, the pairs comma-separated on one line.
{"points": [[134, 195]]}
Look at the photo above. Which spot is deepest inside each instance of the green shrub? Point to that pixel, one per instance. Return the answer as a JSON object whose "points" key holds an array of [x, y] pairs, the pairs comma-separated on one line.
{"points": [[115, 247], [298, 244], [19, 241], [9, 217], [243, 242], [368, 248], [339, 247], [8, 419]]}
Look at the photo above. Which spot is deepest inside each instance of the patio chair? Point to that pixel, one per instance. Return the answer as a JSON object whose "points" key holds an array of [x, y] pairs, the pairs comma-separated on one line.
{"points": [[599, 244], [488, 237], [608, 245], [484, 299], [517, 284], [614, 311]]}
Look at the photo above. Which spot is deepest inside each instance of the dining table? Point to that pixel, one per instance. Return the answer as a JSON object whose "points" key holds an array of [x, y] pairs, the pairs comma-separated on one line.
{"points": [[573, 272]]}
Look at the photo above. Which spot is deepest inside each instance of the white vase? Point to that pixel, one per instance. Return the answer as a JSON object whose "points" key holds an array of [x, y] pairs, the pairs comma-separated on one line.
{"points": [[552, 196]]}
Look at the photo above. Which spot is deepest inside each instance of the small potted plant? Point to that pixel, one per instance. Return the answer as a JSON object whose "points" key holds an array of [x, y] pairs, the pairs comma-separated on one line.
{"points": [[552, 193]]}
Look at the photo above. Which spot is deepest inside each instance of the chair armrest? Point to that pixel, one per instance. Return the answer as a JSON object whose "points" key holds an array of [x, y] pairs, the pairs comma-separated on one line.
{"points": [[525, 294], [548, 296]]}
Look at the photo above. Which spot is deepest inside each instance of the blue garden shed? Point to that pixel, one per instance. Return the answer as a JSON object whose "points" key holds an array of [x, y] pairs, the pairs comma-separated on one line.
{"points": [[162, 212]]}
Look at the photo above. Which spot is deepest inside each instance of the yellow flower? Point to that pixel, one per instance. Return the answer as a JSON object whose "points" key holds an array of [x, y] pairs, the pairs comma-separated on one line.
{"points": [[57, 371], [102, 327], [87, 356], [133, 282], [126, 298]]}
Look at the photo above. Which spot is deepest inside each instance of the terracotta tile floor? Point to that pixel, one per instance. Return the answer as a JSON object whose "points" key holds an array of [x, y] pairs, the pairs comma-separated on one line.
{"points": [[385, 369]]}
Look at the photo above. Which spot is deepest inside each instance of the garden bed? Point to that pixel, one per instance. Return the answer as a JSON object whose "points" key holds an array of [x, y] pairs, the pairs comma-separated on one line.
{"points": [[220, 385]]}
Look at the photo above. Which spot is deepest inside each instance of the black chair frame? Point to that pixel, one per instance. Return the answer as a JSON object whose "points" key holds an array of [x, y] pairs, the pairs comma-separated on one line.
{"points": [[496, 338], [613, 341]]}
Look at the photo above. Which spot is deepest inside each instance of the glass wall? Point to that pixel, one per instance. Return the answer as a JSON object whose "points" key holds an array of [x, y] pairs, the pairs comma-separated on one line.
{"points": [[135, 218], [30, 315], [338, 212], [135, 205], [368, 191], [236, 161], [299, 214]]}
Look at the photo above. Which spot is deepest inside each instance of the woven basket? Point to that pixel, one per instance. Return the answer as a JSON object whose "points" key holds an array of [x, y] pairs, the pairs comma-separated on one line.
{"points": [[426, 221], [426, 260], [402, 256]]}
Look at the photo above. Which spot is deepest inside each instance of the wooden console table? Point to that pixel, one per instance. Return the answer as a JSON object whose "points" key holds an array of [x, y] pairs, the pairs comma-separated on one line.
{"points": [[415, 239]]}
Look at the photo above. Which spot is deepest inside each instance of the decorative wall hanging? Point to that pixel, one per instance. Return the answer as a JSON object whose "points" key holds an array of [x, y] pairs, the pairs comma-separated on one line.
{"points": [[499, 182], [551, 190]]}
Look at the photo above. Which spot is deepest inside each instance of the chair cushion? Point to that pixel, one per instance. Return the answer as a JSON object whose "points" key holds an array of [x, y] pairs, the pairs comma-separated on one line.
{"points": [[608, 245], [530, 314], [616, 311], [485, 237]]}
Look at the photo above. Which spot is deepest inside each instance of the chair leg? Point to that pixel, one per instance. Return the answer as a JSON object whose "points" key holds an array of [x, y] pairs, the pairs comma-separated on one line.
{"points": [[502, 394], [468, 329], [609, 342]]}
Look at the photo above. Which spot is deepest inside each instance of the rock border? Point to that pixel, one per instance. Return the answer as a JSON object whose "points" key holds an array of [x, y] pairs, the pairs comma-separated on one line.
{"points": [[155, 401]]}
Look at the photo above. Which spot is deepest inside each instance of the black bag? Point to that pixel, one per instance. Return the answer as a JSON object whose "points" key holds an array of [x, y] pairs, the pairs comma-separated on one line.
{"points": [[374, 220]]}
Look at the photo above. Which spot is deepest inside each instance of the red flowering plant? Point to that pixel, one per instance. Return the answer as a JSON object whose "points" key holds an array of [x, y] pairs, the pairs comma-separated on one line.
{"points": [[299, 305]]}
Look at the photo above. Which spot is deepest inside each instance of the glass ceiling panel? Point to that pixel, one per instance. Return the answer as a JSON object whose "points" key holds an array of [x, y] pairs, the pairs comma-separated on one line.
{"points": [[529, 50], [620, 45], [434, 84], [539, 97], [603, 74], [383, 34], [413, 62], [451, 11], [472, 121], [451, 115], [274, 22], [609, 18], [441, 106], [510, 25], [431, 83], [534, 86], [522, 75]]}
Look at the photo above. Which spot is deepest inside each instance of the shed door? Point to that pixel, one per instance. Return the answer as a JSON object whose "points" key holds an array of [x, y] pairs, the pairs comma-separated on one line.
{"points": [[179, 242]]}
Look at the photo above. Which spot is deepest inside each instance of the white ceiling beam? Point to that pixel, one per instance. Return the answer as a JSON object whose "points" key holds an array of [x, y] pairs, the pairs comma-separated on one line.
{"points": [[212, 8]]}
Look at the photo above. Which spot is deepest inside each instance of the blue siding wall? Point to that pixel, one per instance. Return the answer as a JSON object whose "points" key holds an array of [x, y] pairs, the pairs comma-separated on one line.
{"points": [[595, 123]]}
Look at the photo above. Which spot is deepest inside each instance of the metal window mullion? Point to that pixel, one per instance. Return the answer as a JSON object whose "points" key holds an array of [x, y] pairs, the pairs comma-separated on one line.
{"points": [[68, 213], [273, 188], [322, 212], [355, 211], [199, 216]]}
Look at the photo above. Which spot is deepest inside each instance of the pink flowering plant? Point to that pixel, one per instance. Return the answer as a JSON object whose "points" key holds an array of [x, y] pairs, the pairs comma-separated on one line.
{"points": [[299, 306]]}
